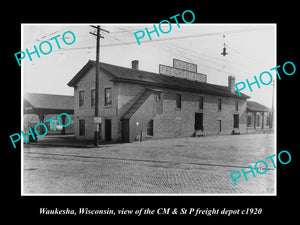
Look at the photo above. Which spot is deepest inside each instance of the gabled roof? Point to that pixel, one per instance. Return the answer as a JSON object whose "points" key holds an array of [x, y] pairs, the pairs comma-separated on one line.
{"points": [[257, 107], [123, 74], [49, 102]]}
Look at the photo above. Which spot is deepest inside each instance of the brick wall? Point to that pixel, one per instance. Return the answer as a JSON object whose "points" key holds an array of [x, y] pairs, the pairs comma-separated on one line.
{"points": [[87, 112], [180, 122], [171, 122], [144, 114]]}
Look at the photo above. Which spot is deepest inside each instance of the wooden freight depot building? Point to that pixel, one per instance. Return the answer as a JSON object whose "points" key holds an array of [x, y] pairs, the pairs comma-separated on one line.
{"points": [[137, 104]]}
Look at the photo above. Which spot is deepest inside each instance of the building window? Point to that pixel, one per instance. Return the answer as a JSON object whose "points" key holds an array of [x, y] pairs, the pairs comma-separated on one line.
{"points": [[81, 98], [158, 97], [107, 95], [93, 97], [200, 102], [178, 101], [220, 125], [219, 104], [81, 128], [236, 106]]}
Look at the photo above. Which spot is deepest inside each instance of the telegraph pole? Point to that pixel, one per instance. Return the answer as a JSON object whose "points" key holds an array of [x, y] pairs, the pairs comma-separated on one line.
{"points": [[97, 118]]}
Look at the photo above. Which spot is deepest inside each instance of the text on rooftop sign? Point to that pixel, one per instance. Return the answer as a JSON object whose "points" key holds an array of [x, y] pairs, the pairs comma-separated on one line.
{"points": [[179, 64], [171, 71]]}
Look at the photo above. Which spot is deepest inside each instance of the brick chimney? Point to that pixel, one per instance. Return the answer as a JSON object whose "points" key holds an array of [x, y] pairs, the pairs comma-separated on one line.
{"points": [[135, 64], [231, 83]]}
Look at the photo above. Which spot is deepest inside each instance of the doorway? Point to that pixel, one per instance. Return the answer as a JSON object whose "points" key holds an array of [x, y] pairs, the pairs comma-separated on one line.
{"points": [[107, 130], [150, 128], [198, 121], [125, 130], [81, 128], [236, 121]]}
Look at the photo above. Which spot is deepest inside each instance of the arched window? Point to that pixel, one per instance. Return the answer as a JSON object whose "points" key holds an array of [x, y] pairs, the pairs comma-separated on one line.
{"points": [[150, 128]]}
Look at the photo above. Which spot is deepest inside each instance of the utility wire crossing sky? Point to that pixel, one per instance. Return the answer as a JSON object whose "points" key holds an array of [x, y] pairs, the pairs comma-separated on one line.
{"points": [[251, 50]]}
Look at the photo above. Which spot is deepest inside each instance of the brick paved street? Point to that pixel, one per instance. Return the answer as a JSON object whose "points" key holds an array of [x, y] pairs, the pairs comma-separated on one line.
{"points": [[167, 166]]}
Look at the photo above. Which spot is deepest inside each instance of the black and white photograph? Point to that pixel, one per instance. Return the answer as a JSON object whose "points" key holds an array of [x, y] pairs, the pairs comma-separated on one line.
{"points": [[132, 109], [137, 112]]}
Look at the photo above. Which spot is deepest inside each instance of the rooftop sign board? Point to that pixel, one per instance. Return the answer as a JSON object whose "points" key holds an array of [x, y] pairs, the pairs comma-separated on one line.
{"points": [[181, 73], [179, 64]]}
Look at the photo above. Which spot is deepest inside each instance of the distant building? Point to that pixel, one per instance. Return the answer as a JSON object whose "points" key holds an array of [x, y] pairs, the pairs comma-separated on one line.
{"points": [[137, 104], [259, 117], [40, 107]]}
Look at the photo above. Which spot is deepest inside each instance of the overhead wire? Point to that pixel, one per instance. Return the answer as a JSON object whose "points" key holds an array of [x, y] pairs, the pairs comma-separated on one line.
{"points": [[235, 51], [185, 53], [187, 36], [175, 49], [180, 37], [197, 54], [46, 37]]}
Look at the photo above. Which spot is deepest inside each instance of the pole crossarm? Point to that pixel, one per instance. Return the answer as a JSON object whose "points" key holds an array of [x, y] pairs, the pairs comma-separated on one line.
{"points": [[96, 35]]}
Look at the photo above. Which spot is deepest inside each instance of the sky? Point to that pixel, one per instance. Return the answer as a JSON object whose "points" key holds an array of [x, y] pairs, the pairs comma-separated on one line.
{"points": [[251, 50]]}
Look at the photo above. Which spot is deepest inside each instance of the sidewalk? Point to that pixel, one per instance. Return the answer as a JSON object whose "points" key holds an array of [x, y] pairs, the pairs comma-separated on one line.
{"points": [[62, 141]]}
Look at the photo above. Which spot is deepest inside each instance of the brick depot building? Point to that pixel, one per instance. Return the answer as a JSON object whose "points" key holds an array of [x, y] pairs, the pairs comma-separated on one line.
{"points": [[133, 103]]}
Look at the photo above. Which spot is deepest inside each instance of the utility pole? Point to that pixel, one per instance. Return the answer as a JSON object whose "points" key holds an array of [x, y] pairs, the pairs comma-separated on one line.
{"points": [[97, 118]]}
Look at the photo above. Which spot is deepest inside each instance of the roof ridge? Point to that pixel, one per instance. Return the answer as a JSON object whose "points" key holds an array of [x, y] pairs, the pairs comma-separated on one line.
{"points": [[34, 93], [160, 74], [128, 74], [123, 67]]}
